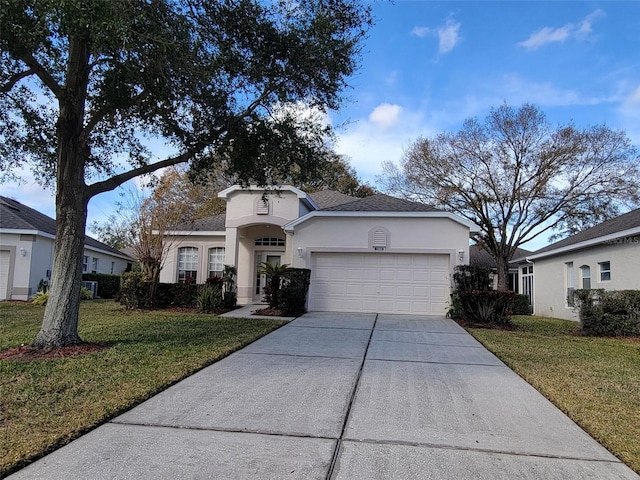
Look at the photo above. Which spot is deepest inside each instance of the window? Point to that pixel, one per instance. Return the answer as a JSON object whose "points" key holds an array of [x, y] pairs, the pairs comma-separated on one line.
{"points": [[85, 264], [270, 242], [113, 267], [187, 264], [216, 261], [527, 282], [94, 265], [570, 283], [605, 271], [585, 273]]}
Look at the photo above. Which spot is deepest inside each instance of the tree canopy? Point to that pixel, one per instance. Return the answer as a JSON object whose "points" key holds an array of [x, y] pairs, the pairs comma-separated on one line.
{"points": [[516, 176], [86, 85]]}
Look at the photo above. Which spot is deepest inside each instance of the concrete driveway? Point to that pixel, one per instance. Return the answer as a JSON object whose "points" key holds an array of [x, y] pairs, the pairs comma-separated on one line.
{"points": [[343, 396]]}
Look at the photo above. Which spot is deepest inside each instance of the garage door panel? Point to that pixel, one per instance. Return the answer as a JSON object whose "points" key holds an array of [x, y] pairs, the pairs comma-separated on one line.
{"points": [[384, 283]]}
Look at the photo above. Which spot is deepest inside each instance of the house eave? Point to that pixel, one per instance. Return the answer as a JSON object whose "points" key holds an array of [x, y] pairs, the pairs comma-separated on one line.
{"points": [[290, 227], [18, 231], [585, 244]]}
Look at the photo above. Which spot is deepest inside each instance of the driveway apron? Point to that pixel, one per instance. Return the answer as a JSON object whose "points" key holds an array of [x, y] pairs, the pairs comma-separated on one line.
{"points": [[343, 396]]}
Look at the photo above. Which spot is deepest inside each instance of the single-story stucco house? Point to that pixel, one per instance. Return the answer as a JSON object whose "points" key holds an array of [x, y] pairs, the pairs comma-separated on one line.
{"points": [[479, 257], [26, 251], [605, 256], [374, 254]]}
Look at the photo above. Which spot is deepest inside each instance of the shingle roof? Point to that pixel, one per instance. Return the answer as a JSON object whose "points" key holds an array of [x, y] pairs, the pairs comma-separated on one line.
{"points": [[16, 216], [624, 222], [478, 256], [214, 223], [330, 198], [382, 203]]}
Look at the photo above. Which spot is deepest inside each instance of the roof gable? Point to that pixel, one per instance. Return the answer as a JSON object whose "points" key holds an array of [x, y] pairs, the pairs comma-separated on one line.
{"points": [[617, 226], [16, 216]]}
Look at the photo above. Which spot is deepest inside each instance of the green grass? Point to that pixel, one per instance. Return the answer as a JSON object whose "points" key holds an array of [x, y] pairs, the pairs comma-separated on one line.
{"points": [[595, 381], [47, 403]]}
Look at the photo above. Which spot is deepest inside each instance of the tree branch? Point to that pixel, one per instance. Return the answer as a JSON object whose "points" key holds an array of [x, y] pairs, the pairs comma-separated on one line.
{"points": [[43, 75], [117, 180], [15, 79]]}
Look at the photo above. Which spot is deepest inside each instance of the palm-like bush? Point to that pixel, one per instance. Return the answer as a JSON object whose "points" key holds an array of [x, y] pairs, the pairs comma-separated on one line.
{"points": [[275, 274]]}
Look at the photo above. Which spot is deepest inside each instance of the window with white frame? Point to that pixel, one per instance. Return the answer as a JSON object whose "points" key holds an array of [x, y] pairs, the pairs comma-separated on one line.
{"points": [[216, 261], [269, 242], [605, 271], [570, 284], [187, 264], [85, 263], [94, 265], [527, 282], [585, 274]]}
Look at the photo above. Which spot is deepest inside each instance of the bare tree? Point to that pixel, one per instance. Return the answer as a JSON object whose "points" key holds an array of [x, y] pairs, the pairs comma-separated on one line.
{"points": [[517, 177]]}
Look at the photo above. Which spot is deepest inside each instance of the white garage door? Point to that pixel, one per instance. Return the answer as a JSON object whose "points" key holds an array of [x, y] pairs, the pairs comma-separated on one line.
{"points": [[5, 256], [381, 283]]}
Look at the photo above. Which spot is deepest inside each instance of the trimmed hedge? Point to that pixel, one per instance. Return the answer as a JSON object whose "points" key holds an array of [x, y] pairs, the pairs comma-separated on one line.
{"points": [[613, 313], [520, 305], [135, 292], [108, 285], [292, 298]]}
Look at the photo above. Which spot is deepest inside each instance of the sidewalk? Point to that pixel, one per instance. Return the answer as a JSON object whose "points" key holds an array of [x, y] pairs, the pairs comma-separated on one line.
{"points": [[343, 396]]}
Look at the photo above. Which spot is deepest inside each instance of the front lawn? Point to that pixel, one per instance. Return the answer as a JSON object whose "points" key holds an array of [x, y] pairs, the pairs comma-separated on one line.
{"points": [[46, 403], [596, 381]]}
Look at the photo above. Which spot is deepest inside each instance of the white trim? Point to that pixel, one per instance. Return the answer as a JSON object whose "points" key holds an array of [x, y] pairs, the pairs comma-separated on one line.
{"points": [[193, 233], [290, 227], [16, 231], [587, 243], [106, 252]]}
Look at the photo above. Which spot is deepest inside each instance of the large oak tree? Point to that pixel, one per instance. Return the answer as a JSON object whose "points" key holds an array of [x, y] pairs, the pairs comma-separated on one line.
{"points": [[517, 176], [83, 84]]}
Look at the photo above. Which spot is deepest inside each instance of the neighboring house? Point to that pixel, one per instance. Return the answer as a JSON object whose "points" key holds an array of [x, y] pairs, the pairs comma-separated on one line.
{"points": [[479, 257], [26, 251], [605, 256], [374, 254]]}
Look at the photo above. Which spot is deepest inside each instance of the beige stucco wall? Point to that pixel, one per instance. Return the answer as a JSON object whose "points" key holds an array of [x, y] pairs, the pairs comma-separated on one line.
{"points": [[241, 207], [169, 272], [550, 282], [405, 235]]}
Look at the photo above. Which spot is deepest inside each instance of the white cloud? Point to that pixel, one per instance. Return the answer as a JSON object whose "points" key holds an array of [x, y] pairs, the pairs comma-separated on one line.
{"points": [[546, 35], [385, 115], [420, 31], [549, 35], [448, 36]]}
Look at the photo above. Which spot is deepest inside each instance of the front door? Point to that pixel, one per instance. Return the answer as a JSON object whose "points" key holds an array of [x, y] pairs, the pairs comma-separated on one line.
{"points": [[273, 258]]}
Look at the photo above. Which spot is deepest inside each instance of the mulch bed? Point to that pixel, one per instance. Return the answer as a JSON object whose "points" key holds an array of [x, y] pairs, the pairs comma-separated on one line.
{"points": [[491, 326], [27, 353]]}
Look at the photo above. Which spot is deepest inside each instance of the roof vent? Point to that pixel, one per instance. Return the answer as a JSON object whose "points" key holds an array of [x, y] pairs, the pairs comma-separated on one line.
{"points": [[262, 207]]}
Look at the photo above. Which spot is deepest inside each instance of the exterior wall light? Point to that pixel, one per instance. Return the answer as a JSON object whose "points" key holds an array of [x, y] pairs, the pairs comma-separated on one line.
{"points": [[461, 255], [23, 252], [300, 251]]}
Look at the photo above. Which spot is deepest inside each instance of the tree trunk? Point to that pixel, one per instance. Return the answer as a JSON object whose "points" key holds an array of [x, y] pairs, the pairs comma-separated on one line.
{"points": [[502, 267], [60, 322]]}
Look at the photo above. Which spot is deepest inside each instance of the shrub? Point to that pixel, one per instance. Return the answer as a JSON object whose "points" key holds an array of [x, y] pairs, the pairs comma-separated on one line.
{"points": [[210, 297], [609, 313], [488, 306], [134, 290], [229, 299], [293, 292], [108, 285], [468, 278], [40, 298], [520, 305]]}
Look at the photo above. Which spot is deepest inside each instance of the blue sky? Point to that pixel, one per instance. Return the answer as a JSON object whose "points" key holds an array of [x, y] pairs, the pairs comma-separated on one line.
{"points": [[429, 65]]}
